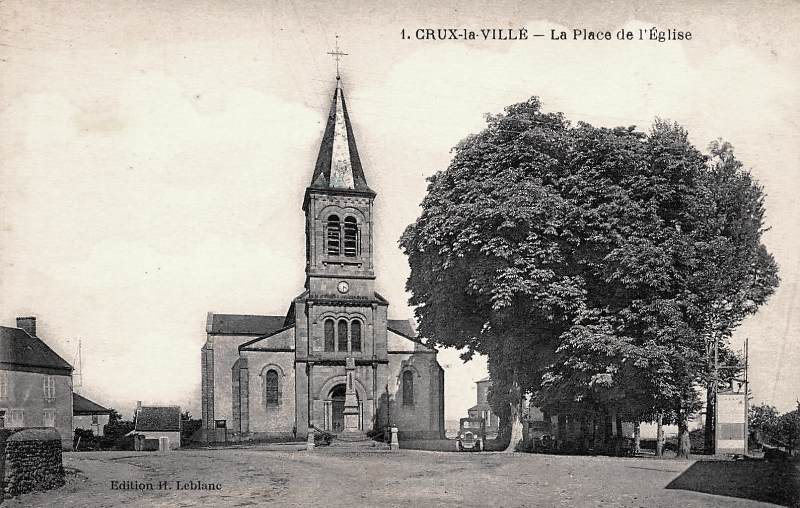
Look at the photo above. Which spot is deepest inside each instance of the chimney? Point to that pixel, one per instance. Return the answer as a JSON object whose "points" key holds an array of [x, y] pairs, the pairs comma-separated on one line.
{"points": [[28, 324]]}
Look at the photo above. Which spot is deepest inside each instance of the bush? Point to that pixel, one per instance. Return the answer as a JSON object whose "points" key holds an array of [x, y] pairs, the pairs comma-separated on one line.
{"points": [[670, 445], [697, 439], [115, 431], [322, 438], [188, 428], [82, 440]]}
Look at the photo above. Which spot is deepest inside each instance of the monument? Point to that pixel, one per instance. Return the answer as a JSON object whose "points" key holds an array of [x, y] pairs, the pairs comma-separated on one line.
{"points": [[351, 431]]}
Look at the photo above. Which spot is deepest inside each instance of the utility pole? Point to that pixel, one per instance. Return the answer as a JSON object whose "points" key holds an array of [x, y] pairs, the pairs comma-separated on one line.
{"points": [[78, 385], [746, 399], [710, 440]]}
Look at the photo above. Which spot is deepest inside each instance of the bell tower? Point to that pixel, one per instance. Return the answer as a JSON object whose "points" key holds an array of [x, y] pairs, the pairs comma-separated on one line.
{"points": [[338, 208]]}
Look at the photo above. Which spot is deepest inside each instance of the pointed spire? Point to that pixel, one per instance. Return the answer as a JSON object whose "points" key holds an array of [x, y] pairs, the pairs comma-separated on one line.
{"points": [[338, 165]]}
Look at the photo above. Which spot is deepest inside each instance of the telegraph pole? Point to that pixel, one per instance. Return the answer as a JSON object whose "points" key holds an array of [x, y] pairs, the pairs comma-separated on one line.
{"points": [[78, 386], [746, 399]]}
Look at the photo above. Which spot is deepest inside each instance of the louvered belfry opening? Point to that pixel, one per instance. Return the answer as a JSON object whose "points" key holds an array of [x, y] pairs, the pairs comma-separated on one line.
{"points": [[334, 235], [350, 237]]}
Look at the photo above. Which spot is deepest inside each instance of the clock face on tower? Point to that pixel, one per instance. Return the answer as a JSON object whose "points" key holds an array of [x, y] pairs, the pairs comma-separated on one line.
{"points": [[343, 287]]}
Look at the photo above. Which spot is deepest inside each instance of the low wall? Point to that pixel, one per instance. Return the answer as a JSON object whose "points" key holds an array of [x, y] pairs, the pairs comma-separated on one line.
{"points": [[417, 435], [30, 459], [448, 445], [438, 445]]}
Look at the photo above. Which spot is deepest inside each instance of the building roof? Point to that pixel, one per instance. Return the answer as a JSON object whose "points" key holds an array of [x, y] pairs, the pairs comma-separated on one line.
{"points": [[19, 350], [402, 327], [487, 378], [239, 324], [236, 324], [158, 418], [83, 406], [338, 164]]}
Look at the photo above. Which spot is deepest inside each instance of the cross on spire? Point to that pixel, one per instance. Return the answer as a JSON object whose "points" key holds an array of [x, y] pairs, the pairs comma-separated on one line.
{"points": [[336, 54]]}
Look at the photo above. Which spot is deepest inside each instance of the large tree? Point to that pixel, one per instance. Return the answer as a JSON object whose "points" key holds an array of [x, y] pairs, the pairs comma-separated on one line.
{"points": [[569, 256], [738, 274]]}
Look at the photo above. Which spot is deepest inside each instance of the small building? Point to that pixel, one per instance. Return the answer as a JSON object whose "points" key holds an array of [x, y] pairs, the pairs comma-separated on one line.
{"points": [[483, 410], [88, 415], [35, 382], [154, 422]]}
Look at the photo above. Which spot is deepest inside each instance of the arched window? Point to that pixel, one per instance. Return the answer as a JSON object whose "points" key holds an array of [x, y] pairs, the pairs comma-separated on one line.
{"points": [[350, 237], [342, 336], [330, 343], [271, 392], [355, 336], [408, 388], [334, 236]]}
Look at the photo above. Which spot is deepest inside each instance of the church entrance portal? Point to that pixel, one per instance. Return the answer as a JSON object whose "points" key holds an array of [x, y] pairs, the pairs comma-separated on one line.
{"points": [[335, 410]]}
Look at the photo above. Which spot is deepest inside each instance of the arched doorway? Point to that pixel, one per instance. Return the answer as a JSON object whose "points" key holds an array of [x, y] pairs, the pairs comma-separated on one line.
{"points": [[337, 408], [334, 409]]}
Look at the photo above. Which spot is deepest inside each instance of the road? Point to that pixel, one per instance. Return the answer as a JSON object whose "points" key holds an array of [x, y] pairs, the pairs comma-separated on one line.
{"points": [[281, 475]]}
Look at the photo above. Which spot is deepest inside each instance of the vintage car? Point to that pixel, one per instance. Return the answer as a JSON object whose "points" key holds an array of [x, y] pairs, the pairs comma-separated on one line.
{"points": [[471, 434], [539, 437]]}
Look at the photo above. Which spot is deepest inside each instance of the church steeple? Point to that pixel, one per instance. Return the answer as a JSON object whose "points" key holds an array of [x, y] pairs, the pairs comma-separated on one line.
{"points": [[338, 207], [338, 164]]}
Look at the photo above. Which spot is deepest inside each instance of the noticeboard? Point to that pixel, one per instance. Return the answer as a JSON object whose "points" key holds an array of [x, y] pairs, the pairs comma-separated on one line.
{"points": [[731, 432]]}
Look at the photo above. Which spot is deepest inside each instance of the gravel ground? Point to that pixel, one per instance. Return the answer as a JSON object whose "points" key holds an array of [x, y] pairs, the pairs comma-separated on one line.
{"points": [[286, 476]]}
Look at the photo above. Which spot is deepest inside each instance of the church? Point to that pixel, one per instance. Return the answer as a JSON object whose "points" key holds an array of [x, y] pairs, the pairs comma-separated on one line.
{"points": [[277, 377]]}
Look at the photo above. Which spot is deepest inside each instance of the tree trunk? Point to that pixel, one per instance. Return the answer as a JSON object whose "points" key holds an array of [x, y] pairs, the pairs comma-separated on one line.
{"points": [[710, 425], [660, 436], [608, 433], [684, 444], [637, 439], [585, 443], [516, 428], [618, 437]]}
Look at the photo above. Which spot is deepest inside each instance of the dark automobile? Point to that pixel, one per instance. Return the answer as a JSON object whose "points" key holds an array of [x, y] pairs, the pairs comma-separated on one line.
{"points": [[471, 434], [540, 436]]}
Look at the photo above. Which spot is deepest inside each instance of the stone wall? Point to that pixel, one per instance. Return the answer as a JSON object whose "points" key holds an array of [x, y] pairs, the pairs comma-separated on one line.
{"points": [[260, 420], [220, 353], [30, 459], [424, 419]]}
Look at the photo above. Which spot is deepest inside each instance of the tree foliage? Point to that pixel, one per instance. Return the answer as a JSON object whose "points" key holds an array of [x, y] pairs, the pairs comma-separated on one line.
{"points": [[776, 429], [586, 262]]}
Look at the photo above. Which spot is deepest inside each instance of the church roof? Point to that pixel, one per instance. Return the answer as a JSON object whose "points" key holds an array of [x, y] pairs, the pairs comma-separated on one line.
{"points": [[19, 351], [238, 324], [242, 324], [338, 164], [402, 327]]}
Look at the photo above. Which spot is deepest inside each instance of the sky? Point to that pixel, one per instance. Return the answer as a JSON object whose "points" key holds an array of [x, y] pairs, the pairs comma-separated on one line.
{"points": [[153, 159]]}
